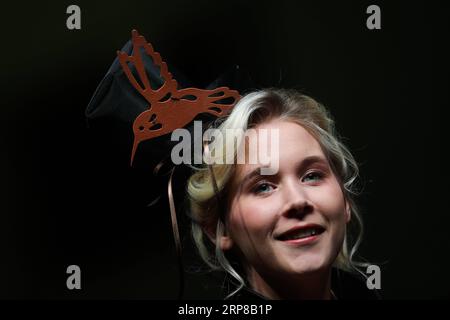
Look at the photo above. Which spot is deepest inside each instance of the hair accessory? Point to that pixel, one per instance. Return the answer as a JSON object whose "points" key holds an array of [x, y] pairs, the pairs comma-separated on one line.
{"points": [[169, 107]]}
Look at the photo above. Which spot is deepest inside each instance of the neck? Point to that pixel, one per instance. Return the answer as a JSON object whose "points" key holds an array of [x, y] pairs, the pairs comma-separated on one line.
{"points": [[313, 286]]}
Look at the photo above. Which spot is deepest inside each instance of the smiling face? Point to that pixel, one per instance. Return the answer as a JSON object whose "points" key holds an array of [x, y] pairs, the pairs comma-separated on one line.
{"points": [[292, 223]]}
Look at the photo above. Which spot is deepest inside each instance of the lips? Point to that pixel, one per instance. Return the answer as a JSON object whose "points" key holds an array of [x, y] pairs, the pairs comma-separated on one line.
{"points": [[301, 232]]}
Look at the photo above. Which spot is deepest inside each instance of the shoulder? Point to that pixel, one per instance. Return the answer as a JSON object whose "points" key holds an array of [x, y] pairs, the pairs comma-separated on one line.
{"points": [[345, 285]]}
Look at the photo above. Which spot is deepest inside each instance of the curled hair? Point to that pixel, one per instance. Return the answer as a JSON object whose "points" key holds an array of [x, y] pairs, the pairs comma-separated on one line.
{"points": [[209, 185]]}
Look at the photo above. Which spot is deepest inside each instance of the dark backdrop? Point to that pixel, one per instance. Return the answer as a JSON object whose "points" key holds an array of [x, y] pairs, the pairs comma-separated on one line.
{"points": [[68, 195]]}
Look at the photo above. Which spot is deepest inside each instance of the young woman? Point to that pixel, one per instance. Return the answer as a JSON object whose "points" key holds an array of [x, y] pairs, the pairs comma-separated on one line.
{"points": [[283, 235]]}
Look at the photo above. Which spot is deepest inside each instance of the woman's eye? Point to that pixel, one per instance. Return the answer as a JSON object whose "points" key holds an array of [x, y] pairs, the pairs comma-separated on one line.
{"points": [[263, 188], [313, 177]]}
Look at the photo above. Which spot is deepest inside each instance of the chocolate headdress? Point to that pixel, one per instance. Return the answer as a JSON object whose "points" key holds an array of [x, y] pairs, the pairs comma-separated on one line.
{"points": [[169, 107], [156, 105]]}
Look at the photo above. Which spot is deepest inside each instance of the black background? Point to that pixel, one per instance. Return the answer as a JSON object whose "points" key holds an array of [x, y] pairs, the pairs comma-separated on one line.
{"points": [[68, 195]]}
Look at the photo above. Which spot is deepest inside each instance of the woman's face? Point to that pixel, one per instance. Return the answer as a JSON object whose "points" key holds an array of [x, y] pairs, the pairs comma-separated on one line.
{"points": [[293, 222]]}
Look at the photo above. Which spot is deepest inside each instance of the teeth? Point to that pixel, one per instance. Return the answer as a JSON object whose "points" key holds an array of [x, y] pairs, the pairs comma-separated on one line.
{"points": [[302, 234]]}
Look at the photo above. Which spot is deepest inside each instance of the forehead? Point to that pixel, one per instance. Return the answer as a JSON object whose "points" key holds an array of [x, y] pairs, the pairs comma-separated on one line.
{"points": [[290, 132], [294, 144]]}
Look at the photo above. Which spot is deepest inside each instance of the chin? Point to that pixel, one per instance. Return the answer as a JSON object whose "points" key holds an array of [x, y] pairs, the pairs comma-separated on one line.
{"points": [[310, 264]]}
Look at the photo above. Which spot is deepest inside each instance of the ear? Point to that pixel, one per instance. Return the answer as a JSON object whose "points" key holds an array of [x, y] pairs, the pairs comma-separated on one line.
{"points": [[226, 243], [348, 212]]}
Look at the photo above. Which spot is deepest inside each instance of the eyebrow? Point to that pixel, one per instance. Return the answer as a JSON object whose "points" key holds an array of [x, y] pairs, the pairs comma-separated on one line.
{"points": [[306, 162]]}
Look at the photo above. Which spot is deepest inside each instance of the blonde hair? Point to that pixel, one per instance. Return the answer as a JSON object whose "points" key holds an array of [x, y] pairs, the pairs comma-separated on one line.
{"points": [[208, 186]]}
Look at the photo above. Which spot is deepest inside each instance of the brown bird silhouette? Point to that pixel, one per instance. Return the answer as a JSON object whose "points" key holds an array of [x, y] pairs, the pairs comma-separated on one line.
{"points": [[169, 108]]}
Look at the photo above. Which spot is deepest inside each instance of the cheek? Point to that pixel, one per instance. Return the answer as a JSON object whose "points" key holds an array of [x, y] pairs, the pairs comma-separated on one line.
{"points": [[330, 202], [253, 215]]}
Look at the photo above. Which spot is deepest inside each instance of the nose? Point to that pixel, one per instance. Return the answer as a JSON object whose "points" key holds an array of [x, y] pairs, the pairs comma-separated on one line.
{"points": [[297, 204]]}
